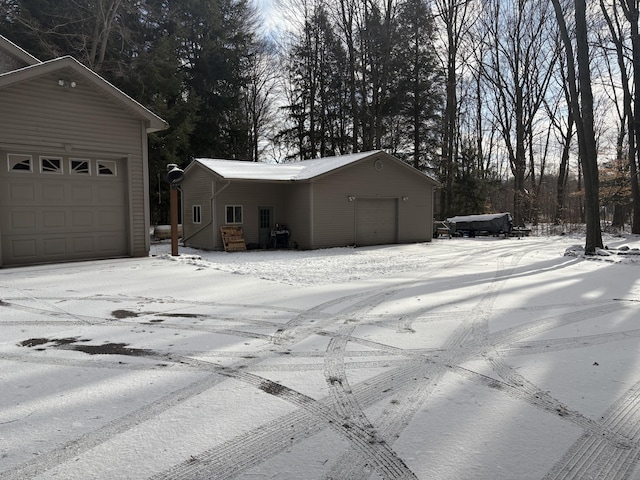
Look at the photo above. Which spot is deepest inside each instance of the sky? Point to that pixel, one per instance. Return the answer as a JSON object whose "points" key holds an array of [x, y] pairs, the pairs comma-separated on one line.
{"points": [[483, 358], [272, 17]]}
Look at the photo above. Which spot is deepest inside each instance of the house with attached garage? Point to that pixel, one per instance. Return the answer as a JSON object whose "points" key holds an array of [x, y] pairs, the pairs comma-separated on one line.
{"points": [[73, 163], [368, 198]]}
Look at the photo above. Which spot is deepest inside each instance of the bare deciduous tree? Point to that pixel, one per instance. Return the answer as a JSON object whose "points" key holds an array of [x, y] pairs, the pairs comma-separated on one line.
{"points": [[581, 96], [521, 56], [454, 18]]}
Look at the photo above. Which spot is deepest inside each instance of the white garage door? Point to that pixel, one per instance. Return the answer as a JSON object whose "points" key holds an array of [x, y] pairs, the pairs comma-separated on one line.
{"points": [[376, 221], [55, 209]]}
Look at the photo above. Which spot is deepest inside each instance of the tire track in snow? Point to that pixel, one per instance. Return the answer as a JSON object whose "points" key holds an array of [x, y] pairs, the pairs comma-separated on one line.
{"points": [[406, 400], [400, 379], [345, 403], [395, 420], [84, 443], [518, 387], [315, 318], [473, 346], [562, 344], [344, 399], [505, 338], [593, 457], [228, 460], [65, 452]]}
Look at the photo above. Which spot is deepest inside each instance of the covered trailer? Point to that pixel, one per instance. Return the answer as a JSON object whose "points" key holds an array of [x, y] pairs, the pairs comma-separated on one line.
{"points": [[487, 224]]}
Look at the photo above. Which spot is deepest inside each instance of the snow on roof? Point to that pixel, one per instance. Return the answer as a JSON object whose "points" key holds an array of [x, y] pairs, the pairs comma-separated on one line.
{"points": [[477, 218], [304, 170]]}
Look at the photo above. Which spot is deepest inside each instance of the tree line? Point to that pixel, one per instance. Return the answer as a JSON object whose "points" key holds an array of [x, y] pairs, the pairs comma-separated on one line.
{"points": [[512, 105]]}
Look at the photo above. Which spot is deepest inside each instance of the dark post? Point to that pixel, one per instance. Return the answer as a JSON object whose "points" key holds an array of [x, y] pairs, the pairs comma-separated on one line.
{"points": [[173, 214], [174, 178]]}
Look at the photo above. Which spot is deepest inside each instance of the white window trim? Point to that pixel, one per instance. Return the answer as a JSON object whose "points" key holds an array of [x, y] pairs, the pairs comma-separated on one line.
{"points": [[19, 157], [60, 171], [234, 222], [72, 171], [196, 214], [111, 164]]}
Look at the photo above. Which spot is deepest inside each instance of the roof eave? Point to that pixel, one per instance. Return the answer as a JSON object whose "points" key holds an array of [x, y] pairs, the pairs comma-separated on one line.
{"points": [[17, 51]]}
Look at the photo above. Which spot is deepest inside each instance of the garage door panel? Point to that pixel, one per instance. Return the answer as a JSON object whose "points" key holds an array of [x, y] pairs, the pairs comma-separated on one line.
{"points": [[54, 246], [23, 249], [83, 245], [81, 193], [110, 193], [47, 217], [22, 221], [21, 192], [109, 219], [82, 218], [110, 243], [376, 221], [55, 219], [53, 193]]}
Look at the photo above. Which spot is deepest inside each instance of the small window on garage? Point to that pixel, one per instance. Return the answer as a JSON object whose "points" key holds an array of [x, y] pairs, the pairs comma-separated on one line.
{"points": [[19, 163], [79, 166], [234, 214], [107, 168], [197, 214], [51, 165]]}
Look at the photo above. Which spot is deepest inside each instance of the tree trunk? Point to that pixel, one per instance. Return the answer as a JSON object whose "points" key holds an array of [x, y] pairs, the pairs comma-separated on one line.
{"points": [[632, 14], [582, 106], [563, 174]]}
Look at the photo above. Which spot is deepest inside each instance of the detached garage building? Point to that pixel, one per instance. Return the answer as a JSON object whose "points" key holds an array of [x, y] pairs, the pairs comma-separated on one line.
{"points": [[368, 198], [73, 163]]}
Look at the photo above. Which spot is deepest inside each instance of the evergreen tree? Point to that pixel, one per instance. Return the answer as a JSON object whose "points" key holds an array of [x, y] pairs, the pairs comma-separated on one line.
{"points": [[318, 103], [418, 98], [377, 87], [186, 60]]}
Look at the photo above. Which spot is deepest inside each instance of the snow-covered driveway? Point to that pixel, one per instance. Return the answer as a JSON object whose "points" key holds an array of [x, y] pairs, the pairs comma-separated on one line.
{"points": [[457, 359]]}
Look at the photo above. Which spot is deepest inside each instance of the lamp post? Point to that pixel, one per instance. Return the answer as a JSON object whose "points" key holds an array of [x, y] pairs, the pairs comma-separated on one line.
{"points": [[174, 178]]}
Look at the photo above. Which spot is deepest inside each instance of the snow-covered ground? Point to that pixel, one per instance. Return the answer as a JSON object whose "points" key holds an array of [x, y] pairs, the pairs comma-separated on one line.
{"points": [[456, 359]]}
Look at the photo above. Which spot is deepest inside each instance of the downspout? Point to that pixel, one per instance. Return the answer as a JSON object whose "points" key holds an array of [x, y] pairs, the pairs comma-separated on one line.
{"points": [[211, 201], [312, 230]]}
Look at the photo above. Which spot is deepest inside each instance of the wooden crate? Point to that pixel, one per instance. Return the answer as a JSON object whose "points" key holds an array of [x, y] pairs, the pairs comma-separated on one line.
{"points": [[233, 239]]}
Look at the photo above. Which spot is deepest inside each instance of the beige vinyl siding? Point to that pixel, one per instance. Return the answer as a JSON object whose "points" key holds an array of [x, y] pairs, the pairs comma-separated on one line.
{"points": [[138, 204], [251, 195], [82, 121], [334, 215], [41, 113], [296, 214], [197, 189]]}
